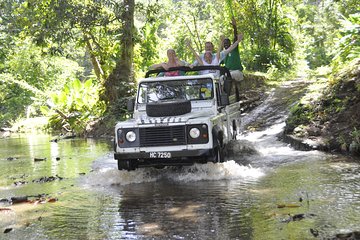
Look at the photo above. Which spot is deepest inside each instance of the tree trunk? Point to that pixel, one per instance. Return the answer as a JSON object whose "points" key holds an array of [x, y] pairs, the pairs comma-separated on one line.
{"points": [[118, 84], [94, 60]]}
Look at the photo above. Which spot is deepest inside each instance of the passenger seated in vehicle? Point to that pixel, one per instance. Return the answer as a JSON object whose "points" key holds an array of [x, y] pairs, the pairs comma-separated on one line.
{"points": [[209, 47], [207, 59], [173, 61]]}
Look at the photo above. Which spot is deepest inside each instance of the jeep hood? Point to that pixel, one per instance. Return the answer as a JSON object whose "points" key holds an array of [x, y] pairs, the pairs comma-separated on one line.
{"points": [[145, 119]]}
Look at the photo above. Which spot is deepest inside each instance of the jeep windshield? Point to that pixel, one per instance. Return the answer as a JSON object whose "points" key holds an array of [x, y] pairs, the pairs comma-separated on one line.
{"points": [[184, 89]]}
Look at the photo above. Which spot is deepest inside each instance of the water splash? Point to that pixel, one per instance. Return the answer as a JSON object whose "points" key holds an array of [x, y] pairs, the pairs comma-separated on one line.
{"points": [[199, 172], [221, 171]]}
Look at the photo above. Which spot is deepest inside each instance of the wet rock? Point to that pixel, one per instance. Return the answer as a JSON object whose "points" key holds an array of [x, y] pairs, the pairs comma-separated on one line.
{"points": [[22, 199], [5, 209], [314, 232], [297, 142], [300, 131], [18, 183], [7, 230], [57, 158], [5, 201], [313, 130], [347, 236], [297, 217], [51, 200], [47, 179]]}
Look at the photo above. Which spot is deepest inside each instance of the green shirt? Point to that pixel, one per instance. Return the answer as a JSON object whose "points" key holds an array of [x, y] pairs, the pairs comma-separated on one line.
{"points": [[232, 61]]}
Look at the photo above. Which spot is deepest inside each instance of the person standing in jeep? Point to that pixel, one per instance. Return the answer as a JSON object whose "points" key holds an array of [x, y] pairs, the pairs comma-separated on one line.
{"points": [[232, 60]]}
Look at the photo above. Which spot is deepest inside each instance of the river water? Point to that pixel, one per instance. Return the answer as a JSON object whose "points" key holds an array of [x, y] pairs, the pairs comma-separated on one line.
{"points": [[266, 191]]}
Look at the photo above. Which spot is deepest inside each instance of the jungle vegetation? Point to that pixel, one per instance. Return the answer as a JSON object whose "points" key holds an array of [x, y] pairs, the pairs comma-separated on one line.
{"points": [[76, 62]]}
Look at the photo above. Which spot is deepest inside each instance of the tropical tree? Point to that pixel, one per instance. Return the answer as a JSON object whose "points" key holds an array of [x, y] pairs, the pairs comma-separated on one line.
{"points": [[115, 41], [103, 29]]}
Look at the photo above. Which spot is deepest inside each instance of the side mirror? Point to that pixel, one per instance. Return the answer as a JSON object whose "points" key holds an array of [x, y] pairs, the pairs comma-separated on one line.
{"points": [[130, 104], [224, 99]]}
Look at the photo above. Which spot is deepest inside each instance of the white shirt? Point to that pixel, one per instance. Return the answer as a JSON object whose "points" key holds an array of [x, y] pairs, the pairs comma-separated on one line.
{"points": [[215, 62]]}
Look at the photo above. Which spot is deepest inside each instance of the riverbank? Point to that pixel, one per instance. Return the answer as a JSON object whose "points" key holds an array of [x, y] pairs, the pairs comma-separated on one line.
{"points": [[327, 118]]}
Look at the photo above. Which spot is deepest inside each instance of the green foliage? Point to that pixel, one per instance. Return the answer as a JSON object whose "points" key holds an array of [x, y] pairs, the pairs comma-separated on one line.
{"points": [[300, 114], [355, 134], [73, 108], [328, 31], [267, 35], [192, 20], [46, 44], [28, 77], [146, 52], [40, 71], [13, 99], [348, 44]]}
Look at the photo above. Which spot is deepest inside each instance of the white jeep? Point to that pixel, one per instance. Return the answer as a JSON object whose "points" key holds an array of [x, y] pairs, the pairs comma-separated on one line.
{"points": [[178, 120]]}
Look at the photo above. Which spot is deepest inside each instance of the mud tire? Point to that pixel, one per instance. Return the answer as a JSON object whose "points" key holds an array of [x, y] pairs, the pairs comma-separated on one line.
{"points": [[168, 108], [129, 165], [218, 155]]}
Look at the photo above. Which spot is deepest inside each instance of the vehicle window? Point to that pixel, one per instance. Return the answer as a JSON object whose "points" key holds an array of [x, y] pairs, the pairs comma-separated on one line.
{"points": [[192, 89]]}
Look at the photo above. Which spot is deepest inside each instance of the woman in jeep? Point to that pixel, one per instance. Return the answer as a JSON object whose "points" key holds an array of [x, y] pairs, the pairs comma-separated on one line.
{"points": [[173, 61]]}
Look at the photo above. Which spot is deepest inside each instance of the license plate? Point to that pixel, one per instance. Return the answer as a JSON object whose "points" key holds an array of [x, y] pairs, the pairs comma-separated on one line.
{"points": [[160, 155]]}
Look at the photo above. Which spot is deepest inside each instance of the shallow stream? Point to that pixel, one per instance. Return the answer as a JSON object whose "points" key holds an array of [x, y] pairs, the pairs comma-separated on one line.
{"points": [[270, 192]]}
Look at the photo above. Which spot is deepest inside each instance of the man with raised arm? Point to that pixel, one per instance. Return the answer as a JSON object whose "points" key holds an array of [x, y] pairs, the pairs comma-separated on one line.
{"points": [[232, 60]]}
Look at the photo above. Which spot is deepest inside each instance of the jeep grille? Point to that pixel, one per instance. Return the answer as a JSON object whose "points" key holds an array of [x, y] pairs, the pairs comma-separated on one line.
{"points": [[162, 136]]}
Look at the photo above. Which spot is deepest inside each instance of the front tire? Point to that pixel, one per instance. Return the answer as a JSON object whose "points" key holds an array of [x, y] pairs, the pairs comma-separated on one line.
{"points": [[129, 165], [218, 156]]}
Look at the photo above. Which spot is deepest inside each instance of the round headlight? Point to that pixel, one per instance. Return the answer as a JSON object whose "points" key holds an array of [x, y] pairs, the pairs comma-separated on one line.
{"points": [[194, 132], [131, 136]]}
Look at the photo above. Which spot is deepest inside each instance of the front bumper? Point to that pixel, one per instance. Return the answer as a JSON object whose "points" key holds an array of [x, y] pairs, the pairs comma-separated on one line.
{"points": [[185, 157], [174, 154]]}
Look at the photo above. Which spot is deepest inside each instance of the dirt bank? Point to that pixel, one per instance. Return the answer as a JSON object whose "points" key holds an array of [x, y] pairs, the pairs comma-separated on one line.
{"points": [[330, 122]]}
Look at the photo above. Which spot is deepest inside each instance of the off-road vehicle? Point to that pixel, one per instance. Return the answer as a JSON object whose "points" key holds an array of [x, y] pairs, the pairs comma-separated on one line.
{"points": [[179, 120]]}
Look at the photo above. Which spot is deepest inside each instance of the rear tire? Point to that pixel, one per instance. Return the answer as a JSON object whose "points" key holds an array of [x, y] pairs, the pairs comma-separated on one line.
{"points": [[234, 131]]}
